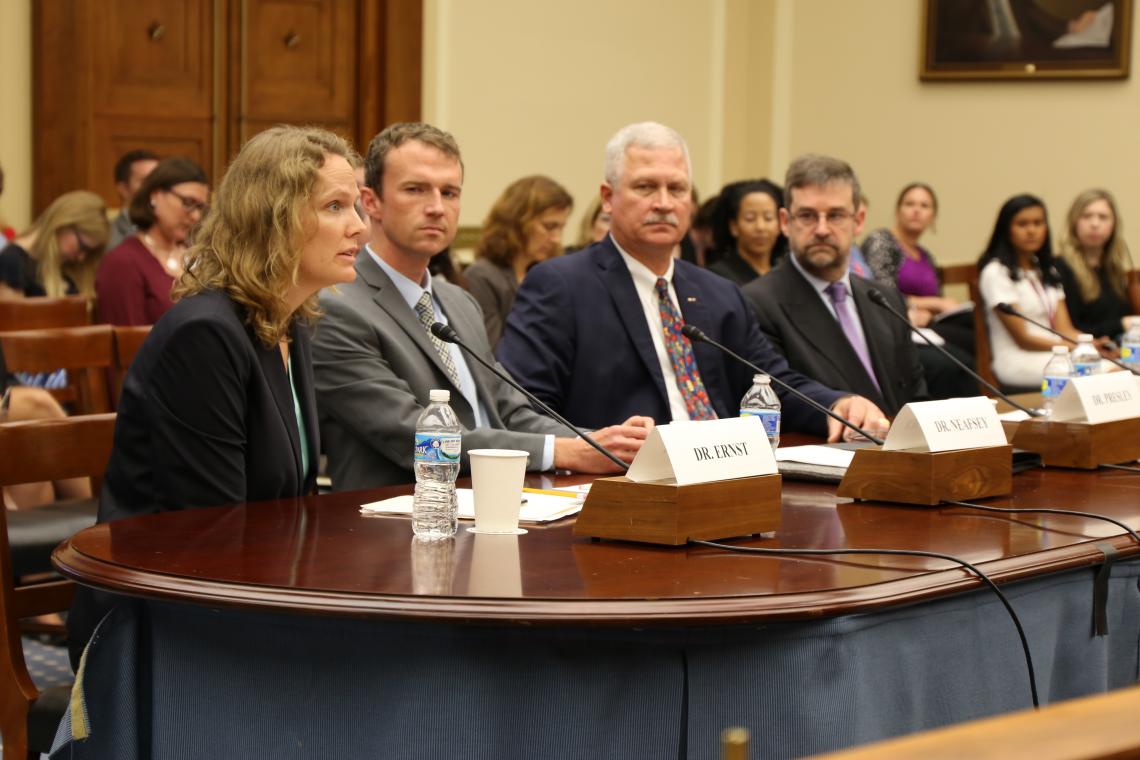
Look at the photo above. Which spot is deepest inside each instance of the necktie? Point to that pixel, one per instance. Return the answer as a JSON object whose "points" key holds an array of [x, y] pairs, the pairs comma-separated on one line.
{"points": [[837, 292], [427, 316], [681, 356]]}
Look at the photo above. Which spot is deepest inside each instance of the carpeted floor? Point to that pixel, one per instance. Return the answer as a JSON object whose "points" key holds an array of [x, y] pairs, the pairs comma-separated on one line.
{"points": [[47, 664]]}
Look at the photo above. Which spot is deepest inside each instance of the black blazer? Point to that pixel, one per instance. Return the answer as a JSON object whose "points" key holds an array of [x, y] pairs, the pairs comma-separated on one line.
{"points": [[207, 417], [804, 330]]}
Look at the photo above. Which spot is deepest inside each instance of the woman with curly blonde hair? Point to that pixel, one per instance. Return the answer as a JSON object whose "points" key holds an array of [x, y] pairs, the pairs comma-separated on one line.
{"points": [[60, 252], [523, 228]]}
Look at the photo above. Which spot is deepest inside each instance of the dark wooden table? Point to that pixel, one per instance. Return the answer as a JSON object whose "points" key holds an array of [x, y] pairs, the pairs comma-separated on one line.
{"points": [[321, 558]]}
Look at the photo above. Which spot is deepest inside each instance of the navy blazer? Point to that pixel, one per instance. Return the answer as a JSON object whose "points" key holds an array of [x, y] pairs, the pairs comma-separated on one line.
{"points": [[578, 339], [206, 416]]}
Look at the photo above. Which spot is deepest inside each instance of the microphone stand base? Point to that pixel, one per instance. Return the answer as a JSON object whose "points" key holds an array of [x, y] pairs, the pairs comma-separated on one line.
{"points": [[926, 477]]}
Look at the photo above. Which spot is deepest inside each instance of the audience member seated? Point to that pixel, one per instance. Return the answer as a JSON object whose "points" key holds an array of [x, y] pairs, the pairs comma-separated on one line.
{"points": [[1017, 268], [594, 226], [134, 279], [701, 233], [815, 312], [375, 360], [6, 232], [747, 230], [598, 336], [57, 256], [130, 170], [523, 228], [218, 404], [1093, 263]]}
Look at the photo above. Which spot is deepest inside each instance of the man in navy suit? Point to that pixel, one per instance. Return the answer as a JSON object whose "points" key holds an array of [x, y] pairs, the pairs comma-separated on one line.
{"points": [[596, 334]]}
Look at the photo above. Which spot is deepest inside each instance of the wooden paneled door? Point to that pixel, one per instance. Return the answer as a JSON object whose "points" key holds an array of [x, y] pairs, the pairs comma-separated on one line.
{"points": [[199, 77]]}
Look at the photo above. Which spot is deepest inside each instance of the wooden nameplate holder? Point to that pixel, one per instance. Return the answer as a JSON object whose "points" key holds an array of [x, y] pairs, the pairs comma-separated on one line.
{"points": [[1082, 445], [924, 477], [662, 512]]}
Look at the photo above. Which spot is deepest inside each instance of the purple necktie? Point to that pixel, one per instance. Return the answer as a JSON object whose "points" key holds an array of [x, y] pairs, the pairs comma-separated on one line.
{"points": [[837, 292]]}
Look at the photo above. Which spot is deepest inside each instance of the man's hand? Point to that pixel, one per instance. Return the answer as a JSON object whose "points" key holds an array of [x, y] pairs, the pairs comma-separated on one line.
{"points": [[624, 440], [860, 412]]}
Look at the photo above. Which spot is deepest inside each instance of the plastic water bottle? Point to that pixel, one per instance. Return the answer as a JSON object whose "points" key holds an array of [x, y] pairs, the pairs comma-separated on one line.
{"points": [[1057, 372], [1086, 359], [435, 509], [1130, 344], [761, 401]]}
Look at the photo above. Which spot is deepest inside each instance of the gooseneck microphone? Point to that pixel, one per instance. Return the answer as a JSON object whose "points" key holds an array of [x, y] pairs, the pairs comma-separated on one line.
{"points": [[1006, 308], [879, 299], [697, 335], [447, 334]]}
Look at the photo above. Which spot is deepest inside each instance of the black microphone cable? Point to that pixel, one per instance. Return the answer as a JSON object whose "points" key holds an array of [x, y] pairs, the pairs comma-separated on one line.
{"points": [[903, 553], [1047, 511]]}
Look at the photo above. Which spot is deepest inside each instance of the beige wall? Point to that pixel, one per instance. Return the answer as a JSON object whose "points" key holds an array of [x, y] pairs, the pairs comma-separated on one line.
{"points": [[16, 97]]}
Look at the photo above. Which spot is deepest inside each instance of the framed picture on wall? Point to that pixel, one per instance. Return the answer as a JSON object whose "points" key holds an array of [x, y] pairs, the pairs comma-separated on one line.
{"points": [[1026, 39]]}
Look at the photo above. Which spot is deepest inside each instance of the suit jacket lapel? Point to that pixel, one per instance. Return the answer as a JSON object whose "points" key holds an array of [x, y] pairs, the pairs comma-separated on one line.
{"points": [[303, 376], [473, 333], [877, 331], [277, 377], [695, 311]]}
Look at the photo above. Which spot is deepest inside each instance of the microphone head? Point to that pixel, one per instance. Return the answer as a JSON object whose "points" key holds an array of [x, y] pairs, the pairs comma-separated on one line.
{"points": [[446, 333], [876, 297], [1005, 308], [693, 333]]}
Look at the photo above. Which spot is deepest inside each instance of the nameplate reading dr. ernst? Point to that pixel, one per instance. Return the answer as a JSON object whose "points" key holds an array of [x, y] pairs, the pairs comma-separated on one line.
{"points": [[702, 452]]}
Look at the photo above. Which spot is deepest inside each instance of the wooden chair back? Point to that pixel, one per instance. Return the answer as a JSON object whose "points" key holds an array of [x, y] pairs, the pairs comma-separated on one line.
{"points": [[967, 274], [128, 341], [43, 313], [87, 353], [34, 451]]}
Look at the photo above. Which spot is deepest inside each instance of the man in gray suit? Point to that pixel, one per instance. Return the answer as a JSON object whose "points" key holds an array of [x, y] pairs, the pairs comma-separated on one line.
{"points": [[374, 358]]}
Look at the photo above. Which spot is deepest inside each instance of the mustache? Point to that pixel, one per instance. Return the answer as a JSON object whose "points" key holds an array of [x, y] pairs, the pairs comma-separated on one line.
{"points": [[663, 219]]}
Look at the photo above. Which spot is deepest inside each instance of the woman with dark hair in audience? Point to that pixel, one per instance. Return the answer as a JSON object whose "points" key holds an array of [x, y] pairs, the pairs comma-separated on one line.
{"points": [[135, 278], [523, 228], [218, 406], [1093, 263], [746, 230], [1017, 268], [59, 253]]}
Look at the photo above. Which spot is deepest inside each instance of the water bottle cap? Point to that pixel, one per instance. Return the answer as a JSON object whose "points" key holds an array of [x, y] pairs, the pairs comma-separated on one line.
{"points": [[1084, 338], [435, 394], [761, 379], [1060, 349]]}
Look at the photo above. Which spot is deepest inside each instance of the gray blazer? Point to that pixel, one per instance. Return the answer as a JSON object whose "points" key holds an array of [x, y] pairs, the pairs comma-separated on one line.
{"points": [[494, 287], [373, 365]]}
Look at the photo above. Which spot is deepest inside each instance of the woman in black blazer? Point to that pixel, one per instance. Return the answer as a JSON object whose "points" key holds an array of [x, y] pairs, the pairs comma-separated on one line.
{"points": [[218, 405]]}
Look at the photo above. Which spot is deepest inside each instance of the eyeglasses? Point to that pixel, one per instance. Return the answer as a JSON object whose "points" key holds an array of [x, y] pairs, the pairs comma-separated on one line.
{"points": [[84, 246], [191, 204], [836, 217]]}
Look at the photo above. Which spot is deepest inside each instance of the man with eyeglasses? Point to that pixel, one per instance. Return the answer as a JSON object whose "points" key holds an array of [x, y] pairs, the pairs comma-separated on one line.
{"points": [[818, 315], [597, 334]]}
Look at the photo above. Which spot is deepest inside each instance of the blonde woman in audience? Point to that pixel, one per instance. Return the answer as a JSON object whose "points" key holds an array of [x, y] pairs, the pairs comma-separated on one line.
{"points": [[135, 278], [523, 228], [1093, 263], [58, 255], [594, 226], [1018, 269]]}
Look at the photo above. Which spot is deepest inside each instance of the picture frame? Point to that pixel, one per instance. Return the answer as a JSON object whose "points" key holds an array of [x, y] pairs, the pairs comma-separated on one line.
{"points": [[1026, 39]]}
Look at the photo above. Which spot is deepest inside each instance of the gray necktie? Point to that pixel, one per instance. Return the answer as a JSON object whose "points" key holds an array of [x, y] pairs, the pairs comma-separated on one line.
{"points": [[837, 292], [426, 311]]}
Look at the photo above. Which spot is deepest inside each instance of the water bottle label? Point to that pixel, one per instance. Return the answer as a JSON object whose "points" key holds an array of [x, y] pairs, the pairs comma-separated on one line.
{"points": [[438, 448], [1086, 368], [1051, 387], [1130, 353], [769, 417]]}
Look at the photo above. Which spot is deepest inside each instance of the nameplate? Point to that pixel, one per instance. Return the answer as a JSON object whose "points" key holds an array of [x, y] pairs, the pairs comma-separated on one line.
{"points": [[702, 452], [957, 423], [1098, 398]]}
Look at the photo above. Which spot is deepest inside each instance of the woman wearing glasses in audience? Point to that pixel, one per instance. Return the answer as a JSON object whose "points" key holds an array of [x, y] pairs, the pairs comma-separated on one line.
{"points": [[1018, 269], [746, 230], [135, 278], [1093, 264], [59, 253], [523, 228], [218, 405]]}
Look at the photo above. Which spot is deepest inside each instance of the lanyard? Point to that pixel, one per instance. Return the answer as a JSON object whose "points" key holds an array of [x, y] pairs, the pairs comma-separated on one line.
{"points": [[1042, 295]]}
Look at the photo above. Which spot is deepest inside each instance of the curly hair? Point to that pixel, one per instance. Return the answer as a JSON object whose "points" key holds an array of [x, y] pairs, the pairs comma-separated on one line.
{"points": [[85, 213], [250, 244], [524, 200]]}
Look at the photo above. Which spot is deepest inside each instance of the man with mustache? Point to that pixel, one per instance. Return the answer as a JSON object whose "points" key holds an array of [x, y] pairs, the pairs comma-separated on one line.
{"points": [[818, 315], [374, 359], [597, 334]]}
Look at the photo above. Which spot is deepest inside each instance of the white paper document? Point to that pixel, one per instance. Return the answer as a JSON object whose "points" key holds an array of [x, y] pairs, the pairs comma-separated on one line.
{"points": [[823, 456], [537, 507]]}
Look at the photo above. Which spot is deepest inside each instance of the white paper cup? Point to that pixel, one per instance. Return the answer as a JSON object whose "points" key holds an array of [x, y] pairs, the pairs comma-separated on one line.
{"points": [[497, 481]]}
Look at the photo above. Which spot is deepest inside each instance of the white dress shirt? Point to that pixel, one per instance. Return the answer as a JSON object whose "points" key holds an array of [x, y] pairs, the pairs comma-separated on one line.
{"points": [[849, 303]]}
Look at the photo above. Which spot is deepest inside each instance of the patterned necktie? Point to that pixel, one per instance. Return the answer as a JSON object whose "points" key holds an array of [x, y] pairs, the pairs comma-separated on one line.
{"points": [[837, 292], [427, 316], [681, 355]]}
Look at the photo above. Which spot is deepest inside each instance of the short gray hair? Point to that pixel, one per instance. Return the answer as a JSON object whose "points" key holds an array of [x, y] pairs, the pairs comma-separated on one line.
{"points": [[643, 134], [815, 169]]}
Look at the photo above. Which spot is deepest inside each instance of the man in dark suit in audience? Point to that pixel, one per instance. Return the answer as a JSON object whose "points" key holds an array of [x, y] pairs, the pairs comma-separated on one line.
{"points": [[597, 334], [374, 359], [818, 315]]}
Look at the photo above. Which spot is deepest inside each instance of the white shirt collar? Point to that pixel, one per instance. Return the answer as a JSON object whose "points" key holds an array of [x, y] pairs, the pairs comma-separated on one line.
{"points": [[821, 285], [642, 275], [410, 290]]}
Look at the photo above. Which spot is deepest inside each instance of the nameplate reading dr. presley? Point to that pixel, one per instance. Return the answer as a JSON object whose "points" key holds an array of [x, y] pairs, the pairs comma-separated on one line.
{"points": [[702, 452], [958, 423], [1098, 398]]}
